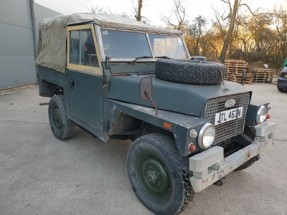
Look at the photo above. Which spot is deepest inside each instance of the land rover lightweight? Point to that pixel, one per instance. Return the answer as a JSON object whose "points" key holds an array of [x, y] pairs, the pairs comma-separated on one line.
{"points": [[119, 78]]}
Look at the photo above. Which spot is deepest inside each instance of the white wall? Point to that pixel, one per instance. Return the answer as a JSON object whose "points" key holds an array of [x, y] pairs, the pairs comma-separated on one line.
{"points": [[17, 60]]}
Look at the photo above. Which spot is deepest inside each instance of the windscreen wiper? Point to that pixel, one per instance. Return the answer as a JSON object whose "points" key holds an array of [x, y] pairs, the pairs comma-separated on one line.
{"points": [[140, 57], [165, 57]]}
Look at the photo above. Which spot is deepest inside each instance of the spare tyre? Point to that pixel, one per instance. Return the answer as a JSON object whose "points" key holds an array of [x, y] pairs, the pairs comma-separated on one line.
{"points": [[190, 72]]}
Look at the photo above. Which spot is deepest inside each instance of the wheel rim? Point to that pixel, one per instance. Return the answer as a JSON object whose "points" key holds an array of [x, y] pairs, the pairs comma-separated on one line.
{"points": [[154, 179], [57, 117]]}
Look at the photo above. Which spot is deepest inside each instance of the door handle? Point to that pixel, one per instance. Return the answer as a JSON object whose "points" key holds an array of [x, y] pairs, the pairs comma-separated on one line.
{"points": [[72, 84]]}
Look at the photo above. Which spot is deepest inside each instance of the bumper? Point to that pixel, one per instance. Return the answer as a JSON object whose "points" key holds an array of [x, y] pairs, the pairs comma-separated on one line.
{"points": [[210, 165]]}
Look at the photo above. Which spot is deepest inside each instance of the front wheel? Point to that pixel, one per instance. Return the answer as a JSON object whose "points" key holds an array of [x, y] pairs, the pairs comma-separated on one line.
{"points": [[159, 175]]}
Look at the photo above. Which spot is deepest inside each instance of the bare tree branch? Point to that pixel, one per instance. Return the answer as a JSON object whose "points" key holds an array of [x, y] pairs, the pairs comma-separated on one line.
{"points": [[229, 4], [139, 10], [244, 4], [180, 14]]}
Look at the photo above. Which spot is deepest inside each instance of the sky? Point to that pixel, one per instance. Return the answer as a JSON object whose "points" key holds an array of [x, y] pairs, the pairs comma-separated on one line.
{"points": [[154, 10]]}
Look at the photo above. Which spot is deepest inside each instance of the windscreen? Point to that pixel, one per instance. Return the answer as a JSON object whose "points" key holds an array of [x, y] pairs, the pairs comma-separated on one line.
{"points": [[170, 46], [124, 44]]}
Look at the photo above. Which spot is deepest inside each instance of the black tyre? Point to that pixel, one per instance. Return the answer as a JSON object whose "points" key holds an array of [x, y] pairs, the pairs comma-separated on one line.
{"points": [[159, 175], [190, 72], [280, 89], [61, 126]]}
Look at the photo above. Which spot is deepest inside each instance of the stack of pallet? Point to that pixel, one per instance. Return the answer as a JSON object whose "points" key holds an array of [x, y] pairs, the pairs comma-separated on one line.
{"points": [[262, 75], [235, 69]]}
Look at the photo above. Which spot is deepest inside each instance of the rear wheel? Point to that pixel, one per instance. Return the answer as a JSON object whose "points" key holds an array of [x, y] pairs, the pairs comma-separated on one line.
{"points": [[159, 175], [61, 126], [283, 90], [280, 89]]}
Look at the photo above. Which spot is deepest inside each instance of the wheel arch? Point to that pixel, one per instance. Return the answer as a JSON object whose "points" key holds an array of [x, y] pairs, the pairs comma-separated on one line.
{"points": [[173, 124], [48, 89], [125, 124], [50, 82]]}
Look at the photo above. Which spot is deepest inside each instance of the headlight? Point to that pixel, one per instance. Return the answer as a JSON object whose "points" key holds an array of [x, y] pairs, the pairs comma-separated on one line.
{"points": [[261, 114], [206, 136]]}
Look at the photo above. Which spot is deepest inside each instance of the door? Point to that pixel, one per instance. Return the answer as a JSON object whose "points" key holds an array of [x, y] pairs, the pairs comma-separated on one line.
{"points": [[85, 94]]}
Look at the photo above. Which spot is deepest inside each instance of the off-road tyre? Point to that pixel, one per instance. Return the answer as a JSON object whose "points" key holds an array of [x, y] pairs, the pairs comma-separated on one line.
{"points": [[61, 126], [159, 174], [190, 71], [281, 90]]}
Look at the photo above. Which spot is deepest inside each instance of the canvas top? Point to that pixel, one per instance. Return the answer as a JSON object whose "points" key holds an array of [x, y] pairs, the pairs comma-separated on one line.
{"points": [[51, 51], [112, 21]]}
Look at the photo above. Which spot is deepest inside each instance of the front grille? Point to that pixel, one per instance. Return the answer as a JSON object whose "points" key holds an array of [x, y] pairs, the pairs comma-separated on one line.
{"points": [[228, 129]]}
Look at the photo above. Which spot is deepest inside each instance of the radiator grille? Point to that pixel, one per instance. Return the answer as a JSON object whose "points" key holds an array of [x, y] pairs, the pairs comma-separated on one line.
{"points": [[228, 129]]}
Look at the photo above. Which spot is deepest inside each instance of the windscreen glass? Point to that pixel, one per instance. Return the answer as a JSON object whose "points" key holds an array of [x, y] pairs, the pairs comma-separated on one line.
{"points": [[124, 44], [169, 46]]}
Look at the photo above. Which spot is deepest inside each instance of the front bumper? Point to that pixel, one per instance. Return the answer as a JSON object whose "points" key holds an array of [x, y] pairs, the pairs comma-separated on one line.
{"points": [[210, 165]]}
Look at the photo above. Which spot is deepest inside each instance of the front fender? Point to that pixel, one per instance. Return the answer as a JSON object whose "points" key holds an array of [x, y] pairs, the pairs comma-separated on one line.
{"points": [[179, 124]]}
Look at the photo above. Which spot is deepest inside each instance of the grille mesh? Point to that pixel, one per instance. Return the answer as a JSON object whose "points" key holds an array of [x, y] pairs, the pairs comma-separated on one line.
{"points": [[228, 129]]}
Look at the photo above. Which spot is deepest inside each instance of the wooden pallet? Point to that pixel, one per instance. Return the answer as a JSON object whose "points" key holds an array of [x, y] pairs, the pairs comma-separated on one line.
{"points": [[262, 75], [235, 69], [233, 61]]}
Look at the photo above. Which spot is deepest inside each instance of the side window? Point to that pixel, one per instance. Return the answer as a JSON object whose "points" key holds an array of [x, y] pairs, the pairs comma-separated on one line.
{"points": [[82, 48]]}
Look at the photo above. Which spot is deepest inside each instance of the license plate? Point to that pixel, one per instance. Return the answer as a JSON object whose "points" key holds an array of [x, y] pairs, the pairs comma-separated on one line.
{"points": [[228, 115]]}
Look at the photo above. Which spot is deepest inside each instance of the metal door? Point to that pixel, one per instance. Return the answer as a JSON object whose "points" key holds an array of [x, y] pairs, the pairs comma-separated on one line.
{"points": [[85, 93]]}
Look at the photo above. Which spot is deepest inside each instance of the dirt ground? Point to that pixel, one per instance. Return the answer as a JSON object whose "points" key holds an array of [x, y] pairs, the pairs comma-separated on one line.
{"points": [[42, 175]]}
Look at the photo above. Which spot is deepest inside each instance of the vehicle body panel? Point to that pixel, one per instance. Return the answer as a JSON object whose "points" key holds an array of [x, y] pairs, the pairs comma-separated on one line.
{"points": [[198, 58], [89, 91], [282, 80], [192, 99], [284, 64], [107, 100], [86, 101], [180, 123]]}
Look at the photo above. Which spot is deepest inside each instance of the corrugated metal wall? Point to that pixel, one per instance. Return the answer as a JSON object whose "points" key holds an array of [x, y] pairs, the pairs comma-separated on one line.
{"points": [[17, 61]]}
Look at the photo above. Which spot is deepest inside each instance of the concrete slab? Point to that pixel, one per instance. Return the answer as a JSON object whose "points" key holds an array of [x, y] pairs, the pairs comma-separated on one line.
{"points": [[42, 175]]}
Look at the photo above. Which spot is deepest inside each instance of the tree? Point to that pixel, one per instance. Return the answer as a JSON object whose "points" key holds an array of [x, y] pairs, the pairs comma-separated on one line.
{"points": [[180, 14], [99, 10], [280, 21], [231, 18], [108, 11], [196, 31], [138, 10], [138, 6]]}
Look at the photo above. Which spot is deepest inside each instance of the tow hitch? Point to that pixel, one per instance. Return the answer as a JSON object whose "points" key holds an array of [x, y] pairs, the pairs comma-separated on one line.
{"points": [[220, 182]]}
